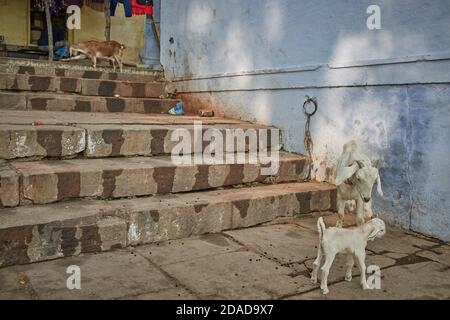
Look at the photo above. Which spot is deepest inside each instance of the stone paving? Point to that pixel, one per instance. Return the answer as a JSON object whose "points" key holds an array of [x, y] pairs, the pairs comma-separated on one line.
{"points": [[271, 261]]}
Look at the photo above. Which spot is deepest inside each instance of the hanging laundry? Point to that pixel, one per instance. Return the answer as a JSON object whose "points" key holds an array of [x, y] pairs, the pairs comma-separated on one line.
{"points": [[145, 2], [127, 5], [73, 2], [56, 6], [141, 7]]}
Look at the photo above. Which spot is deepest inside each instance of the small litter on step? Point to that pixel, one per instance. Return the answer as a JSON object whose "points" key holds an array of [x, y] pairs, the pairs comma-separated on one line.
{"points": [[178, 110], [206, 113]]}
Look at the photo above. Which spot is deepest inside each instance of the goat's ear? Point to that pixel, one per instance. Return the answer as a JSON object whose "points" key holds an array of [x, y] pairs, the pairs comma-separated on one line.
{"points": [[379, 190], [376, 163], [373, 233], [345, 173]]}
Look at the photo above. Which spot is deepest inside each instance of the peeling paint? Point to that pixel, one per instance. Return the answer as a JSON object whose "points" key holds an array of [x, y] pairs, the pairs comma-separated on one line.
{"points": [[133, 234]]}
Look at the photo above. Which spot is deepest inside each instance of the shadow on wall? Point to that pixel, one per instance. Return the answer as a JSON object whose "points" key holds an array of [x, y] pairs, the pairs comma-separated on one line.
{"points": [[403, 126], [210, 37]]}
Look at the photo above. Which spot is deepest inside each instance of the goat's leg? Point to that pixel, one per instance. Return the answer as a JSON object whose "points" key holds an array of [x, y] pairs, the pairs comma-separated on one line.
{"points": [[316, 264], [359, 212], [368, 213], [329, 258], [119, 62], [113, 60], [350, 263], [94, 61], [78, 57], [340, 203], [361, 258]]}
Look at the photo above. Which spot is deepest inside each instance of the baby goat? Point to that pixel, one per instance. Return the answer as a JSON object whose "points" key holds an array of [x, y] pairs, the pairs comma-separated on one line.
{"points": [[352, 242]]}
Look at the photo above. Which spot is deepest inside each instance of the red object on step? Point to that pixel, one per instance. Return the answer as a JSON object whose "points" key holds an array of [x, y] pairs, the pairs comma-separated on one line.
{"points": [[139, 9]]}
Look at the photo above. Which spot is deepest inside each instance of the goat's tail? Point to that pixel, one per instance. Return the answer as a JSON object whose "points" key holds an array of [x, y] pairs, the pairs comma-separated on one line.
{"points": [[320, 227]]}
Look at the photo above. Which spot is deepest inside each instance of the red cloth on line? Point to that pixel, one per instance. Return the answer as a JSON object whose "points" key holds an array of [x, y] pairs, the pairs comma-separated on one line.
{"points": [[141, 9]]}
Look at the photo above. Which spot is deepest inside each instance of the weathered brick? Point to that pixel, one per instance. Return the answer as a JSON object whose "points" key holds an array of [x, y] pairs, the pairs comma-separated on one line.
{"points": [[50, 181], [39, 233], [20, 141], [61, 70], [13, 101], [145, 140], [52, 102], [108, 88], [9, 187]]}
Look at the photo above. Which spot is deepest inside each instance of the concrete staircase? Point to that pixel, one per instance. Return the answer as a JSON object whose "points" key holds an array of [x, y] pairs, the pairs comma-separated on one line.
{"points": [[85, 166]]}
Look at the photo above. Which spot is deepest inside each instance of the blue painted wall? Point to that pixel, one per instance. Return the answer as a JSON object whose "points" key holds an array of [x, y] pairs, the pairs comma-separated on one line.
{"points": [[151, 52], [390, 88]]}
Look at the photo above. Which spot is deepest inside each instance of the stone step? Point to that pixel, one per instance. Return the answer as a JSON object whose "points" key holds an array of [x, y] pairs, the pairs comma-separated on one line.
{"points": [[86, 87], [38, 118], [28, 141], [69, 70], [41, 182], [67, 102], [114, 140], [39, 233]]}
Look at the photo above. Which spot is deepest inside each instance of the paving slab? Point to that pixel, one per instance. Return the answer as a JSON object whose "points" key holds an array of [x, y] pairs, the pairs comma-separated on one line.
{"points": [[439, 254], [168, 294], [398, 241], [14, 286], [330, 218], [284, 243], [102, 276], [425, 280], [236, 275], [182, 250]]}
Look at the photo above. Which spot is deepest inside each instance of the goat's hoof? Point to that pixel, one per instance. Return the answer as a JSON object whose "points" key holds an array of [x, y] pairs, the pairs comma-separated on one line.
{"points": [[348, 278], [325, 291], [339, 224], [313, 280], [366, 287]]}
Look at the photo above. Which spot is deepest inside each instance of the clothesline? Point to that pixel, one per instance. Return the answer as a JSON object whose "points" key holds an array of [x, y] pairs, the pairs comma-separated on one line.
{"points": [[131, 7]]}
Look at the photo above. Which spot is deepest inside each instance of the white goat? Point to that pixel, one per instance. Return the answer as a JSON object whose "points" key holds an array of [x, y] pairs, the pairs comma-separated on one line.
{"points": [[355, 176], [352, 242]]}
